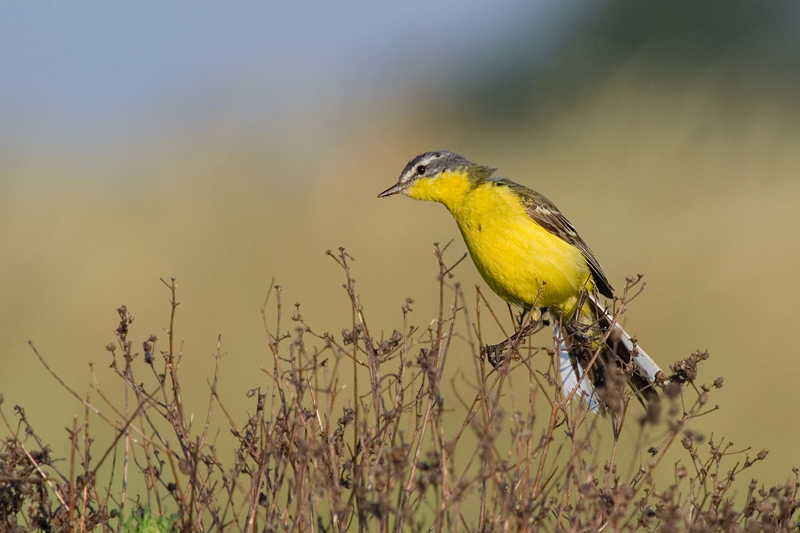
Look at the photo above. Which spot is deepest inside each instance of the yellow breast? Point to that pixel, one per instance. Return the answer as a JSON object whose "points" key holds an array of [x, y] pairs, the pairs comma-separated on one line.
{"points": [[521, 261]]}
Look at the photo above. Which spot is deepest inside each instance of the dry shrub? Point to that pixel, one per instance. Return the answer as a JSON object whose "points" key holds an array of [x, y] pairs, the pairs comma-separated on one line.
{"points": [[357, 431]]}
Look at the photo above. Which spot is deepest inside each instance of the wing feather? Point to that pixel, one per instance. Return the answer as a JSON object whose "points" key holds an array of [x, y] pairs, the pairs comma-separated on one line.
{"points": [[547, 215]]}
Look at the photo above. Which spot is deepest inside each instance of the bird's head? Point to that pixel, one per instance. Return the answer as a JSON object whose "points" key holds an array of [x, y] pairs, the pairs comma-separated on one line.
{"points": [[439, 176]]}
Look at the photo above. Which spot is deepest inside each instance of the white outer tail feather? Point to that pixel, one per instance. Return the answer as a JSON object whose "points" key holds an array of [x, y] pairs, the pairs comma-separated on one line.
{"points": [[642, 360], [570, 378], [571, 374]]}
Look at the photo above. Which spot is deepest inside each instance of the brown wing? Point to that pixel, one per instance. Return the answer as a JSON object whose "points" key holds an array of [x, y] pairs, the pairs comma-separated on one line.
{"points": [[550, 218]]}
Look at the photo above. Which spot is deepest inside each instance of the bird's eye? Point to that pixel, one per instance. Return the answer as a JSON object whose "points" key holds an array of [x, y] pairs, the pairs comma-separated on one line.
{"points": [[421, 170]]}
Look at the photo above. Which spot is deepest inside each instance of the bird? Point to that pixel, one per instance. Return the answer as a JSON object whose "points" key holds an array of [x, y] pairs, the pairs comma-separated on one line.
{"points": [[533, 258]]}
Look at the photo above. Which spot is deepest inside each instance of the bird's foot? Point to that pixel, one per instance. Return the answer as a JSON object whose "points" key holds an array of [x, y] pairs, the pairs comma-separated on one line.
{"points": [[495, 353]]}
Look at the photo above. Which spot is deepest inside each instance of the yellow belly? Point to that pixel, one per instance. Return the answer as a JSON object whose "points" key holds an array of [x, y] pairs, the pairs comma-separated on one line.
{"points": [[521, 261]]}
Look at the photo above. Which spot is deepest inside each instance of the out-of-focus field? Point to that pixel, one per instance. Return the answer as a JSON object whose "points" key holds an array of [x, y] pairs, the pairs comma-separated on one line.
{"points": [[696, 191]]}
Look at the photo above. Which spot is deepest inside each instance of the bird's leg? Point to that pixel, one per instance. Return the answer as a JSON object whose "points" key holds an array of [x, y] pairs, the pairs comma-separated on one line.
{"points": [[495, 352], [520, 317]]}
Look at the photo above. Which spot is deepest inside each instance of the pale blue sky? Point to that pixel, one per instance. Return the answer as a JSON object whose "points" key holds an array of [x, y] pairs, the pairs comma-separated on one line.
{"points": [[95, 68]]}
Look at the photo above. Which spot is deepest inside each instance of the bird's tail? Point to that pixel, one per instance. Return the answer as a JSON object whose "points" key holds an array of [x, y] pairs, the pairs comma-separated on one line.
{"points": [[598, 358]]}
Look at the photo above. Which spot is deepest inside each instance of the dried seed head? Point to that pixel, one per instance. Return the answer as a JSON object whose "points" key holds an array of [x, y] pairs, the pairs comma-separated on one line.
{"points": [[672, 390]]}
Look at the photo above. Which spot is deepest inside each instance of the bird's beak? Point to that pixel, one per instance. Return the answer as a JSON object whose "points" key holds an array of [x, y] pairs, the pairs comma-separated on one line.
{"points": [[394, 189]]}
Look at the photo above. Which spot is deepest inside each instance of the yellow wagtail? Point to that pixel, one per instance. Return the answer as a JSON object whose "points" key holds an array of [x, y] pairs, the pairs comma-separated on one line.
{"points": [[532, 257]]}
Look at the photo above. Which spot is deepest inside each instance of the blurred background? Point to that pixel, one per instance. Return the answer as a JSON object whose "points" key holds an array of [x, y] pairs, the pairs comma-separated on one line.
{"points": [[230, 147]]}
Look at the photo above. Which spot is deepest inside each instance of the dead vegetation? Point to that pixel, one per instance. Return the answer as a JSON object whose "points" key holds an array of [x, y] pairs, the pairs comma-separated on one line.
{"points": [[367, 431]]}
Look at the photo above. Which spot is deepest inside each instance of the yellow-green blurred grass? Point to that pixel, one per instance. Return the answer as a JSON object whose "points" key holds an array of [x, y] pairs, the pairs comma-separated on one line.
{"points": [[697, 192]]}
